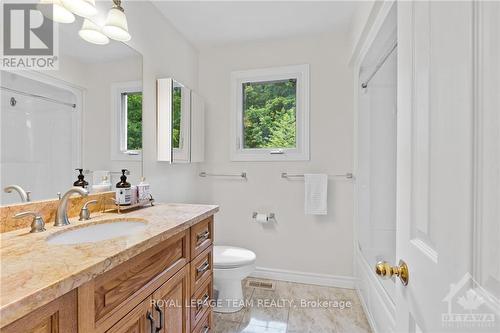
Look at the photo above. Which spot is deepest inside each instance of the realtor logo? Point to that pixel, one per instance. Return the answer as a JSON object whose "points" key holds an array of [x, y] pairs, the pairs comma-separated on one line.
{"points": [[28, 36], [469, 305]]}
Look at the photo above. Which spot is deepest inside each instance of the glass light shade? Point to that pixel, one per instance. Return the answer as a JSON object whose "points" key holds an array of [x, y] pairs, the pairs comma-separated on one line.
{"points": [[116, 25], [59, 13], [84, 8], [91, 33]]}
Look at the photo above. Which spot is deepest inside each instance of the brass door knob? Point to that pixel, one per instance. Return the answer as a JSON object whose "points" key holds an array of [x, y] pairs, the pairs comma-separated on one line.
{"points": [[386, 271]]}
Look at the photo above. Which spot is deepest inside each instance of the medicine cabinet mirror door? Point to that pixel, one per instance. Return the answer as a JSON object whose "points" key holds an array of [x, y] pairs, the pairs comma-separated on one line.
{"points": [[173, 121]]}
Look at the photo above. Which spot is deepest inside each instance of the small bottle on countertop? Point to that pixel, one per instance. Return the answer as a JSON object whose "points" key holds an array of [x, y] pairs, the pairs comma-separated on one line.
{"points": [[133, 195], [81, 182], [143, 193], [123, 190]]}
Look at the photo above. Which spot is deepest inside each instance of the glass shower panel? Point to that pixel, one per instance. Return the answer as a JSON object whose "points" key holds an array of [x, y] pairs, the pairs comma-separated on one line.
{"points": [[38, 138], [377, 168]]}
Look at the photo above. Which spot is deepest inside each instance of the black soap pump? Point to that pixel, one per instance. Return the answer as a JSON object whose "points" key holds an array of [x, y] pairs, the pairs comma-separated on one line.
{"points": [[123, 190], [81, 182]]}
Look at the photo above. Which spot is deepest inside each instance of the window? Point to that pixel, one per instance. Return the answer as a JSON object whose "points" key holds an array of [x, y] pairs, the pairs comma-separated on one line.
{"points": [[127, 121], [132, 115], [271, 114]]}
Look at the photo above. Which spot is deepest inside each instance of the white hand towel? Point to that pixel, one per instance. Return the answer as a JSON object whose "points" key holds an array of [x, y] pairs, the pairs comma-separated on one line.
{"points": [[316, 191]]}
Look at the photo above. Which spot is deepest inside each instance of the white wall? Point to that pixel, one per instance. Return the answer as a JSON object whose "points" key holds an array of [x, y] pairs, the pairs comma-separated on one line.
{"points": [[165, 54], [310, 244]]}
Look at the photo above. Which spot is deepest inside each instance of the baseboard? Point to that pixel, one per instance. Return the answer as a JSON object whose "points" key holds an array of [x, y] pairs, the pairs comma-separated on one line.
{"points": [[368, 314], [306, 278]]}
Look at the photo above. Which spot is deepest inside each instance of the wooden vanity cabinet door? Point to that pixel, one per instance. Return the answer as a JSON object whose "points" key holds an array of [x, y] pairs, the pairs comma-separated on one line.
{"points": [[139, 320], [119, 290], [171, 304], [59, 316]]}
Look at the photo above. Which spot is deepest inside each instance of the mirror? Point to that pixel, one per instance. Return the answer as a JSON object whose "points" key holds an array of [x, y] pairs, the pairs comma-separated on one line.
{"points": [[180, 126], [86, 114]]}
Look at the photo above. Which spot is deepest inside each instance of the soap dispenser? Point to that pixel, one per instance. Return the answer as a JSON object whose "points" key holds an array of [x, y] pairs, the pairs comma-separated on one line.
{"points": [[81, 182], [123, 190]]}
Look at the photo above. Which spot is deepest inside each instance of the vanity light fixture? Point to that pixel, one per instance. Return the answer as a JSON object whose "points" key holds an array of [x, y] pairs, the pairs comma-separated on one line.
{"points": [[116, 26], [84, 8], [59, 13], [92, 33]]}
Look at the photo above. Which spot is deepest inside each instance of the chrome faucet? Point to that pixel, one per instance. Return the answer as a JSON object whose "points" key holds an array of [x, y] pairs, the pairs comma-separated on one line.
{"points": [[25, 195], [62, 208]]}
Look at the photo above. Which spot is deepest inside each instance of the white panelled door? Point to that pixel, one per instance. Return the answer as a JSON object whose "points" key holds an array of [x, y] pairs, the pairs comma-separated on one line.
{"points": [[440, 46]]}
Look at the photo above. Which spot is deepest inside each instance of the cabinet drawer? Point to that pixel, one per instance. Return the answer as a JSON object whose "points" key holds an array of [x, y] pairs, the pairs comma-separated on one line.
{"points": [[201, 301], [206, 323], [123, 287], [201, 269], [201, 236]]}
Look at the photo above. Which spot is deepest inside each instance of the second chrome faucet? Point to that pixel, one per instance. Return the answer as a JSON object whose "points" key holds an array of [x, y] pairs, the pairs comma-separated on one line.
{"points": [[62, 208]]}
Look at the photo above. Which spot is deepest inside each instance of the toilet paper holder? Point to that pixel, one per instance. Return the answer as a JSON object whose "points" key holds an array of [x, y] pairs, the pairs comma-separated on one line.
{"points": [[270, 216]]}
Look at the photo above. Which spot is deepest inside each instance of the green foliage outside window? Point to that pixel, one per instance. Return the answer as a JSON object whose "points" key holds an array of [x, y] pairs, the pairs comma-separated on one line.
{"points": [[176, 116], [134, 121], [269, 114]]}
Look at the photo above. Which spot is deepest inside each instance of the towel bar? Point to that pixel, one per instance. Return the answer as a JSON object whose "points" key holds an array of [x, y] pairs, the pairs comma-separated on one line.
{"points": [[240, 175], [287, 175]]}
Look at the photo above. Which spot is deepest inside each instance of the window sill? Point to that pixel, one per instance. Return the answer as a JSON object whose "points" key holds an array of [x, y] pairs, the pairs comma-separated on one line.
{"points": [[267, 156], [123, 156]]}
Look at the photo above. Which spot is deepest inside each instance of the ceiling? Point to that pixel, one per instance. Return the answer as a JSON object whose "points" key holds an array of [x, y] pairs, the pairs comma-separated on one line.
{"points": [[212, 23]]}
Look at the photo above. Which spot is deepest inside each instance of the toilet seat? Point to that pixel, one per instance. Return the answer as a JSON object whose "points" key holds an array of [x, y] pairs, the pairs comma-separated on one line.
{"points": [[226, 257]]}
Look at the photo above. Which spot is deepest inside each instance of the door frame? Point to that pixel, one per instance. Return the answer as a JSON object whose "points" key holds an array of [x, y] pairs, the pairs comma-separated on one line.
{"points": [[385, 319]]}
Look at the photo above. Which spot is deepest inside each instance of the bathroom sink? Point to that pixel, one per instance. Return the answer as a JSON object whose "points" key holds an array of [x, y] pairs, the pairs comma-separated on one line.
{"points": [[94, 233]]}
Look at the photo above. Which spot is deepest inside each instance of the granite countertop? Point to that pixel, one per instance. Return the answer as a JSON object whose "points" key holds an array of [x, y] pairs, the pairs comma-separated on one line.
{"points": [[34, 272]]}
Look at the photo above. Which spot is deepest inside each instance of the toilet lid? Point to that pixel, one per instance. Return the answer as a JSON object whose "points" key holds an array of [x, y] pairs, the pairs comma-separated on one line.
{"points": [[230, 256]]}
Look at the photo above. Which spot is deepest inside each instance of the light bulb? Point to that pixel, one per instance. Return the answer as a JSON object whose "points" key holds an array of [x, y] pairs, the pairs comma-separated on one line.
{"points": [[84, 8], [91, 33], [59, 13], [116, 26]]}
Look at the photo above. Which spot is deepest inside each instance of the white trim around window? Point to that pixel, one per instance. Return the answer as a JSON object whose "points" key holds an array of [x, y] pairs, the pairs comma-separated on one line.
{"points": [[118, 122], [301, 151]]}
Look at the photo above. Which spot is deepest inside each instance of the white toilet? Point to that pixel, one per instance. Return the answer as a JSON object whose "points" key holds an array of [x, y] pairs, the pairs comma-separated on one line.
{"points": [[231, 265]]}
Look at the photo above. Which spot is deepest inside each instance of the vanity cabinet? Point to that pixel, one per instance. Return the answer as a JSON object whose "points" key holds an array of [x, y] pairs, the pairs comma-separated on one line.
{"points": [[156, 291], [60, 315], [164, 289]]}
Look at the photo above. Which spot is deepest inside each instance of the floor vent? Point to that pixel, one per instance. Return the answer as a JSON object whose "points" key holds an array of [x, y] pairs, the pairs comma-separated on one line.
{"points": [[260, 284]]}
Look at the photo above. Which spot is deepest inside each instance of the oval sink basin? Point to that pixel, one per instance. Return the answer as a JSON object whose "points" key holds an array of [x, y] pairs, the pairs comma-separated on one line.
{"points": [[94, 233]]}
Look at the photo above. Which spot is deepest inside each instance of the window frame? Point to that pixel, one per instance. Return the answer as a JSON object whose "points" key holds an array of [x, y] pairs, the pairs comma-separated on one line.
{"points": [[301, 151], [119, 121]]}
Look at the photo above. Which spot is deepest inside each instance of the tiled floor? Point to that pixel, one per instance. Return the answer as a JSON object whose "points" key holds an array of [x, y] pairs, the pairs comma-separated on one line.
{"points": [[296, 308]]}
